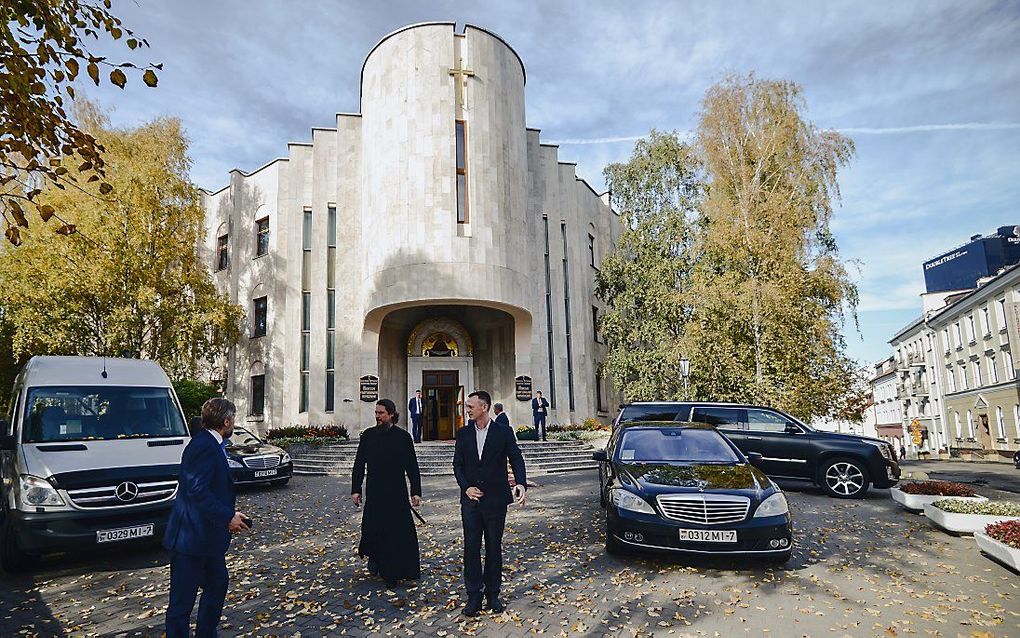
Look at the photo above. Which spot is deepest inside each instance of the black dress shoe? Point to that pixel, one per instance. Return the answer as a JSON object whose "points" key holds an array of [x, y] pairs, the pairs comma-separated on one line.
{"points": [[495, 605], [472, 608]]}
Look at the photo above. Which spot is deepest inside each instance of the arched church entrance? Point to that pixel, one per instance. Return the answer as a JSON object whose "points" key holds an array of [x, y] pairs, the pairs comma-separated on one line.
{"points": [[447, 351], [440, 361]]}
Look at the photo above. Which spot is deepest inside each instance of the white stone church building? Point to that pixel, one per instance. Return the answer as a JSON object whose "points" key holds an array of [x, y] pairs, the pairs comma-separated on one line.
{"points": [[429, 241]]}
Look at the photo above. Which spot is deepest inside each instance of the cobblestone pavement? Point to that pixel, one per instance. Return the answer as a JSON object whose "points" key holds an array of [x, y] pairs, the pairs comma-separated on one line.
{"points": [[861, 568]]}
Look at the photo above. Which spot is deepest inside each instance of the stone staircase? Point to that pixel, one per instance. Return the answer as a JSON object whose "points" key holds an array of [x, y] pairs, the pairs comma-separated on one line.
{"points": [[436, 458]]}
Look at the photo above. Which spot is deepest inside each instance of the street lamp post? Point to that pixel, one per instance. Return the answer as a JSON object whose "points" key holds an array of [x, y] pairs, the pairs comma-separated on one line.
{"points": [[685, 372]]}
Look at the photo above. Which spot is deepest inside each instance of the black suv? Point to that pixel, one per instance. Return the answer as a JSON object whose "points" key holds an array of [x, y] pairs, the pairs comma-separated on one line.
{"points": [[841, 464]]}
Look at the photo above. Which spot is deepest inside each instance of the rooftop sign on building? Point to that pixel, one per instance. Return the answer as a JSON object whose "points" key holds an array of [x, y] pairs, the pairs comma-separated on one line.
{"points": [[960, 268]]}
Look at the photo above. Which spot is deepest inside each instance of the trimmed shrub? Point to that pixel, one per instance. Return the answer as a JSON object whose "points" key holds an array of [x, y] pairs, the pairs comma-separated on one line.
{"points": [[193, 394], [937, 488], [1006, 532], [526, 433], [987, 508], [328, 431]]}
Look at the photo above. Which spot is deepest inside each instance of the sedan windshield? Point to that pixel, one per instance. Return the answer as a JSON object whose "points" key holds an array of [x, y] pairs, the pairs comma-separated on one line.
{"points": [[664, 445], [78, 413], [243, 437]]}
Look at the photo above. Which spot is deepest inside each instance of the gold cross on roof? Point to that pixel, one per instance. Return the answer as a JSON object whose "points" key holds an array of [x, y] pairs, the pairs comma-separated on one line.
{"points": [[461, 75]]}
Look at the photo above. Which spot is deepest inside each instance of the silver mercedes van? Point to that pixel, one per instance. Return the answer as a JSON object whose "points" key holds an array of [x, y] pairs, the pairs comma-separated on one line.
{"points": [[89, 456]]}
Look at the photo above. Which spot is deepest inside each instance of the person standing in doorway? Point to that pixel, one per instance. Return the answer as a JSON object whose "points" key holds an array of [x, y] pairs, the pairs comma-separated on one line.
{"points": [[414, 408], [501, 416], [388, 536], [480, 457], [201, 522], [539, 410]]}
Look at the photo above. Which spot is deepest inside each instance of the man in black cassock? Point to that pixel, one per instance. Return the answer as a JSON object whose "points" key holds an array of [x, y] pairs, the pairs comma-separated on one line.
{"points": [[388, 536]]}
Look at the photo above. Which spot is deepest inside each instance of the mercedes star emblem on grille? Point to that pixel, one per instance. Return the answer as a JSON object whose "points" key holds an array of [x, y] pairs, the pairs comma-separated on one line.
{"points": [[127, 491]]}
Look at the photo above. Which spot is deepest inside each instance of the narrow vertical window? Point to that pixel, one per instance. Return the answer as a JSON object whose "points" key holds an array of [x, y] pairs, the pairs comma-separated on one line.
{"points": [[1000, 313], [566, 316], [306, 307], [1016, 420], [977, 374], [993, 368], [971, 330], [959, 430], [262, 237], [1000, 422], [600, 404], [970, 425], [259, 313], [549, 315], [986, 323], [591, 250], [222, 254], [462, 191], [258, 394], [595, 323], [330, 306], [1008, 364]]}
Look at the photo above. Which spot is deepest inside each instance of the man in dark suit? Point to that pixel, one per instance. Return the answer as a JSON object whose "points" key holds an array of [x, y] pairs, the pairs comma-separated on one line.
{"points": [[480, 457], [414, 408], [501, 416], [539, 410], [202, 520]]}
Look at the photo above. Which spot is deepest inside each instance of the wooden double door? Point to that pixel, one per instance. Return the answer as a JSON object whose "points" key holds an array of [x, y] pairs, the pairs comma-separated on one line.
{"points": [[443, 406]]}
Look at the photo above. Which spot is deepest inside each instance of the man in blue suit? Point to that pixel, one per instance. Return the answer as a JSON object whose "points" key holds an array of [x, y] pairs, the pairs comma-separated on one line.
{"points": [[202, 520], [539, 410], [414, 408]]}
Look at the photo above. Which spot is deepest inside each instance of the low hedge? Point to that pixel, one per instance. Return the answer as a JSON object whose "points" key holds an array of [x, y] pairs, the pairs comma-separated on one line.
{"points": [[289, 442], [987, 508], [1006, 532], [937, 488], [327, 431]]}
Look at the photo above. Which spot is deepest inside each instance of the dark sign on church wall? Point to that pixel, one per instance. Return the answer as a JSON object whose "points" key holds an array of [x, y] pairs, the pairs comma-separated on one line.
{"points": [[523, 384], [369, 388]]}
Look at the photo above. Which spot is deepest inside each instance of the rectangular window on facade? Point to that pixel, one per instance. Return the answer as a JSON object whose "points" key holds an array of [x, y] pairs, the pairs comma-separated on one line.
{"points": [[591, 250], [222, 254], [566, 317], [595, 323], [977, 374], [945, 340], [258, 394], [993, 369], [600, 403], [959, 429], [306, 230], [1016, 419], [958, 334], [1000, 313], [329, 391], [262, 237], [331, 226], [1000, 422], [970, 425], [963, 377], [462, 182], [303, 407], [259, 312], [330, 306], [986, 323], [971, 331], [306, 311], [1007, 363]]}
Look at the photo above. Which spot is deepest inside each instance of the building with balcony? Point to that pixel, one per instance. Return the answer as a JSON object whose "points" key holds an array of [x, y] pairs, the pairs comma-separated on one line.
{"points": [[917, 389], [886, 407]]}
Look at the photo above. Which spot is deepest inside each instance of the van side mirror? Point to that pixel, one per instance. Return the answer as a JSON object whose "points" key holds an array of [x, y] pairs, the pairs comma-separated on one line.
{"points": [[754, 458], [600, 455]]}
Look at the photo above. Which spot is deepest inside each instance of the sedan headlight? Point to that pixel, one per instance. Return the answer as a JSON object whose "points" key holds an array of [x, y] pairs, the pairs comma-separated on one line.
{"points": [[629, 501], [37, 492], [774, 505], [234, 463], [285, 459], [884, 448]]}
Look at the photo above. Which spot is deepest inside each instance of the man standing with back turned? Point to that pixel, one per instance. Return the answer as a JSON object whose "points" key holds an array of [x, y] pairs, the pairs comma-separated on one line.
{"points": [[200, 525], [479, 462]]}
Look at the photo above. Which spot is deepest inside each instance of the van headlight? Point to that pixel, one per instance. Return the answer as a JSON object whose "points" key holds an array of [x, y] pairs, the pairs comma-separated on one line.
{"points": [[37, 492], [233, 463], [629, 501], [774, 505], [285, 459]]}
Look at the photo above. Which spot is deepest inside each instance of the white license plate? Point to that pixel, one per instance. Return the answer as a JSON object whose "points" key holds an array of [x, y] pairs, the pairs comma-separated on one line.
{"points": [[709, 535], [124, 533], [264, 473]]}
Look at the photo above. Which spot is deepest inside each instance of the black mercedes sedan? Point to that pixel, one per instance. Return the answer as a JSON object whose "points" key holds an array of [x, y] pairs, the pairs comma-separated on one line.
{"points": [[684, 487], [252, 460]]}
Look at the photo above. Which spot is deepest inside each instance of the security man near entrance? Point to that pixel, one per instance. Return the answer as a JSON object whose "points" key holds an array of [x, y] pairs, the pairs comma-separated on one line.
{"points": [[480, 457], [202, 520], [539, 410], [414, 409]]}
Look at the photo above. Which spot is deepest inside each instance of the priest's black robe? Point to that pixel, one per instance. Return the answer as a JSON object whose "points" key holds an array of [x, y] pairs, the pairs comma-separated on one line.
{"points": [[388, 536]]}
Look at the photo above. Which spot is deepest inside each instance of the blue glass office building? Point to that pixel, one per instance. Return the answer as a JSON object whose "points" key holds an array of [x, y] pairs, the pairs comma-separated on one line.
{"points": [[960, 268]]}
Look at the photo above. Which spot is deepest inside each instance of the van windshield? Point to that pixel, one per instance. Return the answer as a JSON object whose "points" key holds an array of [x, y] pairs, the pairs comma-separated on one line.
{"points": [[80, 413]]}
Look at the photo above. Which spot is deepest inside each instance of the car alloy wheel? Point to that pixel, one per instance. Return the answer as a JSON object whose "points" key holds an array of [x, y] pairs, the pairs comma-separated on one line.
{"points": [[845, 479]]}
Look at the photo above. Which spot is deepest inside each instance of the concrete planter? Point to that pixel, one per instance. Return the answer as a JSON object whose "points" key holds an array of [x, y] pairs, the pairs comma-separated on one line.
{"points": [[916, 502], [962, 523], [1008, 556]]}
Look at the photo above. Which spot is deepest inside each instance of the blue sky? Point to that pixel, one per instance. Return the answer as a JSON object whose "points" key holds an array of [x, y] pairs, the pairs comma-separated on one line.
{"points": [[929, 91]]}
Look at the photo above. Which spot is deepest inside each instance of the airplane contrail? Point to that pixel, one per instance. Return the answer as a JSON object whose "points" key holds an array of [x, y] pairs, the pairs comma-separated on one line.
{"points": [[889, 130]]}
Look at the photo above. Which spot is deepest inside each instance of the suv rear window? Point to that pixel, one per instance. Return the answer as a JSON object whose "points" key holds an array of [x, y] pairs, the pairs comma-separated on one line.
{"points": [[733, 418], [653, 413]]}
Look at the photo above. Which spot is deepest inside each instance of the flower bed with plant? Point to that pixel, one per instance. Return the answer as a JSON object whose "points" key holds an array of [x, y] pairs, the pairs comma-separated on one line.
{"points": [[299, 437], [937, 488], [986, 508], [1006, 532]]}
